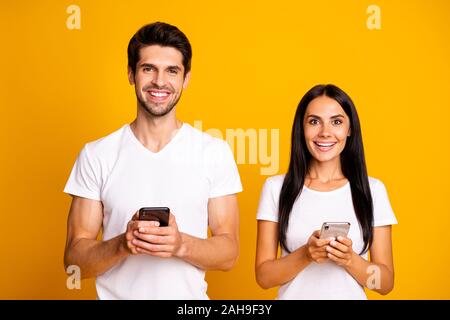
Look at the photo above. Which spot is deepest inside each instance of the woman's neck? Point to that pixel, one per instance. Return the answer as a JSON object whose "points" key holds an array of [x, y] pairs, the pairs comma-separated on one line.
{"points": [[325, 172]]}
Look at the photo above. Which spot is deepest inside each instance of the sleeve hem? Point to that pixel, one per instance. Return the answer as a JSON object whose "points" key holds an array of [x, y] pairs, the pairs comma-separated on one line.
{"points": [[82, 193], [385, 223], [225, 193], [266, 217]]}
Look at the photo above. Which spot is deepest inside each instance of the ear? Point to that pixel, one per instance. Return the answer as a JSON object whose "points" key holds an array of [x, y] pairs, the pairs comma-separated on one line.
{"points": [[187, 77], [130, 76]]}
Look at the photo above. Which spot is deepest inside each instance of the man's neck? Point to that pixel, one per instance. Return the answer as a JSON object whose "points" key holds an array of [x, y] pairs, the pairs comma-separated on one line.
{"points": [[155, 132]]}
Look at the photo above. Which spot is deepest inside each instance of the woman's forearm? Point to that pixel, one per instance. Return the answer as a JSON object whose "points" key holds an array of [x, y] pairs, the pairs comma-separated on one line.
{"points": [[376, 277], [279, 271]]}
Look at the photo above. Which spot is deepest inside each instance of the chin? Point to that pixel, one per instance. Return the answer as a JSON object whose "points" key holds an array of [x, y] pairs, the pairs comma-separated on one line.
{"points": [[321, 158]]}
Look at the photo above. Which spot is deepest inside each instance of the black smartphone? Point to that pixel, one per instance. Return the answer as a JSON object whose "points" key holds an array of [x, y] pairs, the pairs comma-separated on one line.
{"points": [[160, 214]]}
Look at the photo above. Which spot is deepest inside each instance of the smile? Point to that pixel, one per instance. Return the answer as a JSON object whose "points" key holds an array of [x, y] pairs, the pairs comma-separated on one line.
{"points": [[324, 146], [159, 94]]}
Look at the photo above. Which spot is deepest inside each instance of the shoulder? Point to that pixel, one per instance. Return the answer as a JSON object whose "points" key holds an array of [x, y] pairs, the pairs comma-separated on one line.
{"points": [[276, 181], [375, 184], [377, 188], [273, 184], [206, 142], [107, 146]]}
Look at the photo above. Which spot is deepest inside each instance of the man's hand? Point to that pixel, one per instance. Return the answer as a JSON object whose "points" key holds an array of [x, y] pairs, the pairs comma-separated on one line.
{"points": [[133, 225], [151, 239]]}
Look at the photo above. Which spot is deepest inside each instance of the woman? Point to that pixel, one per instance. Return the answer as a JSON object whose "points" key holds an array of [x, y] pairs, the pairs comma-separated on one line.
{"points": [[326, 182]]}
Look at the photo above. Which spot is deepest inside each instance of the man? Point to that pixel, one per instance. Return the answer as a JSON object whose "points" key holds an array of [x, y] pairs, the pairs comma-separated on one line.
{"points": [[155, 161]]}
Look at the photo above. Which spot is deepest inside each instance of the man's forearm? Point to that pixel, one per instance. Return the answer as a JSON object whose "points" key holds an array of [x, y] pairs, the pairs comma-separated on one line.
{"points": [[218, 252], [96, 257]]}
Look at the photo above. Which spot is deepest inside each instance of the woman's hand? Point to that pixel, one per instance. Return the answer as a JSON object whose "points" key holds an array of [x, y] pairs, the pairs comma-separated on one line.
{"points": [[316, 248], [340, 251]]}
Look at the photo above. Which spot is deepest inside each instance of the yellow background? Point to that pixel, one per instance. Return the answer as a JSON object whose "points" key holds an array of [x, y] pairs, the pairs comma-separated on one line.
{"points": [[252, 63]]}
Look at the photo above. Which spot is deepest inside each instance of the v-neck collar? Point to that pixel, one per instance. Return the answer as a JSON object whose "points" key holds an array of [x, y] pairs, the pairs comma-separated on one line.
{"points": [[164, 149]]}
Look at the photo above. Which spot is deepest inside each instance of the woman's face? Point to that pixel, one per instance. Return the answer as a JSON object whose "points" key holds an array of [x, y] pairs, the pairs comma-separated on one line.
{"points": [[326, 128]]}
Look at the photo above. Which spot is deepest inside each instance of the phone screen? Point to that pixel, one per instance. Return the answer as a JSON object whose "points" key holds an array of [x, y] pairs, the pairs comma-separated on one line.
{"points": [[160, 214], [334, 229]]}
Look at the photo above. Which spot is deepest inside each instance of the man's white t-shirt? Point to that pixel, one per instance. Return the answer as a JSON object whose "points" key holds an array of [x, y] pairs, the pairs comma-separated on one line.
{"points": [[124, 175], [310, 210]]}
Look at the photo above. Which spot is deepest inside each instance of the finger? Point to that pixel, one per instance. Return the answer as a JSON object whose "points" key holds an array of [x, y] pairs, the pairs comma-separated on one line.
{"points": [[135, 216], [131, 247], [337, 260], [152, 238], [323, 242], [339, 246], [132, 225], [321, 255], [129, 236], [160, 231], [318, 249], [172, 220], [335, 252], [155, 254], [146, 224], [322, 260], [316, 234], [152, 247], [322, 248], [347, 241]]}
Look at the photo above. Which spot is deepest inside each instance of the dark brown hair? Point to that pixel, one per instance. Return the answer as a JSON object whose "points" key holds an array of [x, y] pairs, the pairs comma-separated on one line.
{"points": [[352, 161], [162, 34]]}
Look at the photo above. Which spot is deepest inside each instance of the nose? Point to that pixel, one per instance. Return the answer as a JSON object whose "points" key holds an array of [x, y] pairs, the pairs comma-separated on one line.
{"points": [[158, 79], [325, 131]]}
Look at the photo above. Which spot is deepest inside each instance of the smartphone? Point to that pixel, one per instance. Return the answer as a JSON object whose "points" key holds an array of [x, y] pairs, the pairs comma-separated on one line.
{"points": [[334, 229], [160, 214]]}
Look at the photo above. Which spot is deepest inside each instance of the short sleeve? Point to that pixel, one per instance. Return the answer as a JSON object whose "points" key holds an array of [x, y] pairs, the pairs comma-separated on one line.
{"points": [[85, 178], [382, 210], [268, 203], [224, 174]]}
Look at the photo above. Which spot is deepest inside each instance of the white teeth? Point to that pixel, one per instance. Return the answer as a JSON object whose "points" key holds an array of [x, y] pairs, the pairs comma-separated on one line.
{"points": [[158, 94], [325, 144]]}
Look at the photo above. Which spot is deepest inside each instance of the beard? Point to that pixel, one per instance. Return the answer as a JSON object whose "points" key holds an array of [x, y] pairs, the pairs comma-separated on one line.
{"points": [[158, 109]]}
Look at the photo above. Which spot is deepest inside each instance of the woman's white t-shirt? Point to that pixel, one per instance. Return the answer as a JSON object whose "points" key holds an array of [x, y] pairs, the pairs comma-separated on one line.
{"points": [[311, 209]]}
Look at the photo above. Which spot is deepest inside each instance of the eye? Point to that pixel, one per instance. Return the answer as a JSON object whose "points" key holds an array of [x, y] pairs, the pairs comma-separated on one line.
{"points": [[173, 71], [313, 121], [147, 69], [337, 122]]}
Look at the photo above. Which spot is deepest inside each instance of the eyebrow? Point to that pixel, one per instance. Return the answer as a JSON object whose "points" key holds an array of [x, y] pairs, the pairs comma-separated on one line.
{"points": [[332, 117], [147, 65]]}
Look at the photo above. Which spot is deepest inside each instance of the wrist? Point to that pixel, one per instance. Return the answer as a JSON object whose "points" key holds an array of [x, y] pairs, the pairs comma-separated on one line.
{"points": [[305, 253], [122, 248], [182, 251], [352, 262]]}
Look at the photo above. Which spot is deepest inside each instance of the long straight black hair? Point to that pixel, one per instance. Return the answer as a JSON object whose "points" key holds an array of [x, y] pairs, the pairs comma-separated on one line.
{"points": [[352, 162]]}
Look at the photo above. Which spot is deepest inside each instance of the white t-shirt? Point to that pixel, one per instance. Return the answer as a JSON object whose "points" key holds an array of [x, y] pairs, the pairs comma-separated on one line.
{"points": [[125, 176], [312, 208]]}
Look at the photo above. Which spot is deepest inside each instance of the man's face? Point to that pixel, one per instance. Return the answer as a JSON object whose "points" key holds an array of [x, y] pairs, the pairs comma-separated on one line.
{"points": [[159, 79]]}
